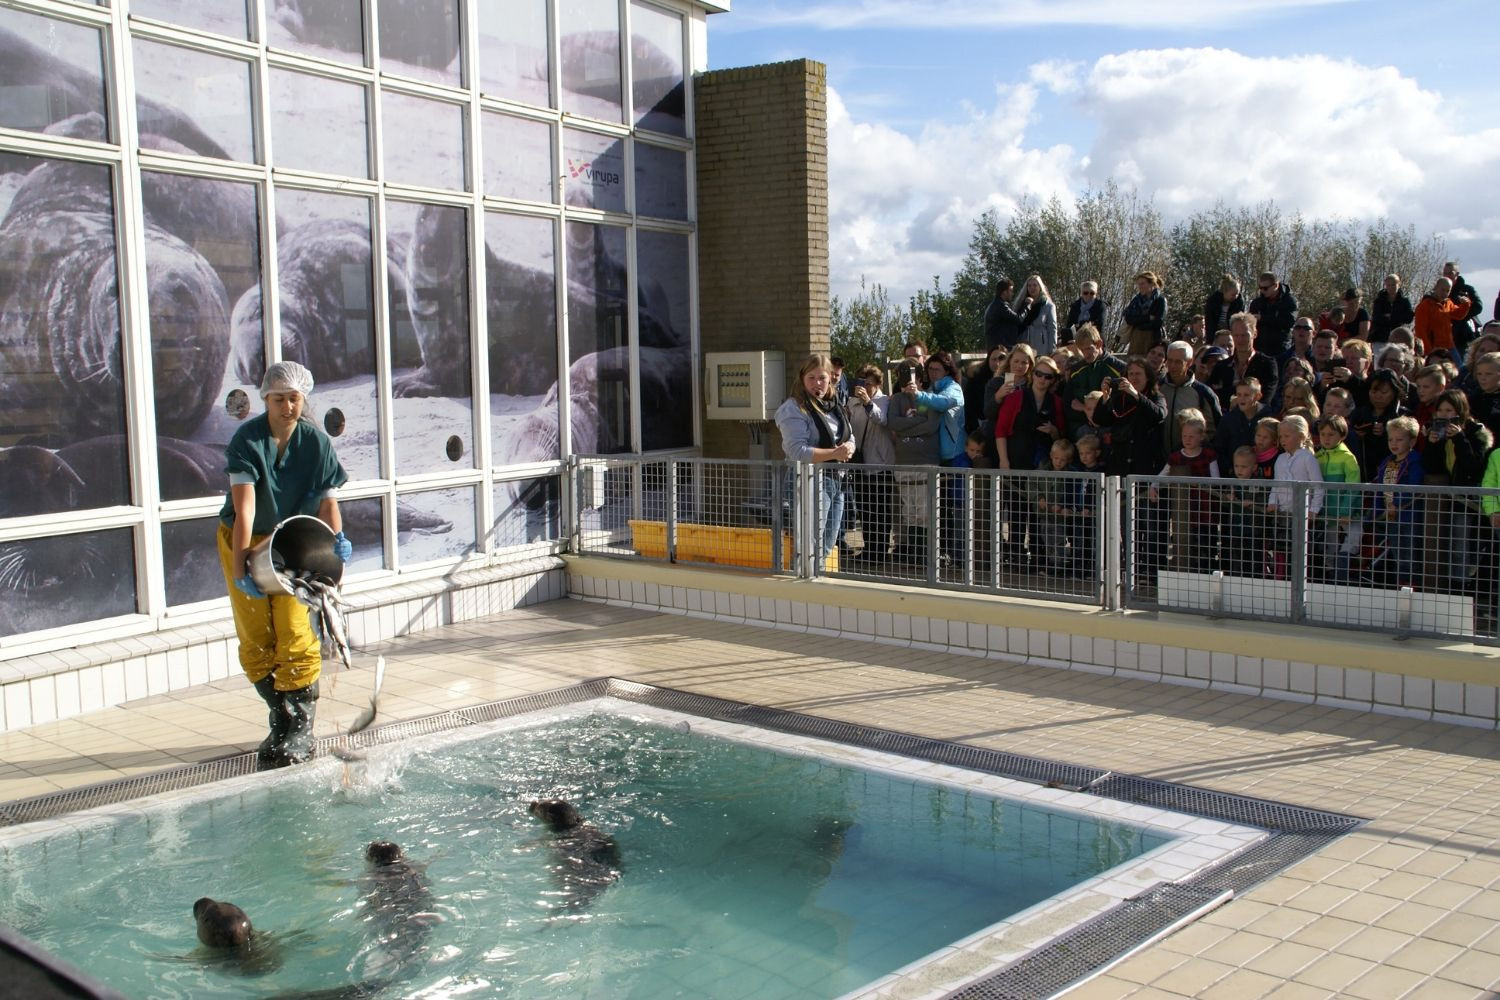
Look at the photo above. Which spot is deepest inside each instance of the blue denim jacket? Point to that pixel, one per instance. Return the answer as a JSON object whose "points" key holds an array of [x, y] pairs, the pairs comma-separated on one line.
{"points": [[948, 399]]}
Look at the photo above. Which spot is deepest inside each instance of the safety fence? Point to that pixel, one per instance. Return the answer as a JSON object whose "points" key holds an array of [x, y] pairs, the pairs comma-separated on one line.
{"points": [[1404, 559], [1400, 559]]}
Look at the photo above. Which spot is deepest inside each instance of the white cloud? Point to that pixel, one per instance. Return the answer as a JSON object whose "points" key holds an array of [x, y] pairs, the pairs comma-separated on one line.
{"points": [[900, 206], [972, 15], [1329, 138]]}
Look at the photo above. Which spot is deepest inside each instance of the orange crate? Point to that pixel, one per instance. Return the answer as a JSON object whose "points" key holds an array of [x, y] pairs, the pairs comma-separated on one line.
{"points": [[714, 543]]}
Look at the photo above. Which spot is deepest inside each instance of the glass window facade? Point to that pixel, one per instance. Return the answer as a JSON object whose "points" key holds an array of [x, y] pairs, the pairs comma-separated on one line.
{"points": [[405, 215]]}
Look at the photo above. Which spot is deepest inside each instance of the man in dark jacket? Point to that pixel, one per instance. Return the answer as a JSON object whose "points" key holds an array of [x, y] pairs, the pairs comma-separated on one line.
{"points": [[1002, 323], [1275, 310], [1181, 391], [1391, 309], [1463, 329], [1246, 362]]}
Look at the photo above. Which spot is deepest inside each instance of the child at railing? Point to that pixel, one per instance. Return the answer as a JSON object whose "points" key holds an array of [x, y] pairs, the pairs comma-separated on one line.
{"points": [[1243, 549], [1086, 525], [1241, 416], [1399, 513], [1058, 502], [1191, 507], [1342, 528], [1490, 505], [969, 495], [1296, 463], [1267, 445]]}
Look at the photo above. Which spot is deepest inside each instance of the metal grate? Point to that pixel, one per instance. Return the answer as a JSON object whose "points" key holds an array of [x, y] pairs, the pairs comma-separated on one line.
{"points": [[1087, 949]]}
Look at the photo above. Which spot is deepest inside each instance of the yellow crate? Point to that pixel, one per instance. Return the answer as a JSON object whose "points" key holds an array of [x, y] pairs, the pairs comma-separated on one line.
{"points": [[716, 544], [649, 538]]}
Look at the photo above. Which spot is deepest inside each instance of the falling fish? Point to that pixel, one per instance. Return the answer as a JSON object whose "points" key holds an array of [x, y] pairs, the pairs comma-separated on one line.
{"points": [[342, 751], [322, 595]]}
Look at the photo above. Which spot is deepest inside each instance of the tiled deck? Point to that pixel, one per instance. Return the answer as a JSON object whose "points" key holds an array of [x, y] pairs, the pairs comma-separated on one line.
{"points": [[1405, 907]]}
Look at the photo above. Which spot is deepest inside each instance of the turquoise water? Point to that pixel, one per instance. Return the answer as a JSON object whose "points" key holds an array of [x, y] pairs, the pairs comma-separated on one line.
{"points": [[746, 873]]}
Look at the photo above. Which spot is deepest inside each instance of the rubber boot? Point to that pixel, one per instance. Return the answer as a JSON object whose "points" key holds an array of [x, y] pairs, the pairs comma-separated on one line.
{"points": [[301, 707], [271, 752]]}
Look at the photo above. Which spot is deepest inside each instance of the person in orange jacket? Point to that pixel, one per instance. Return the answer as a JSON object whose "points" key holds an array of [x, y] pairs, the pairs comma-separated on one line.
{"points": [[1436, 314]]}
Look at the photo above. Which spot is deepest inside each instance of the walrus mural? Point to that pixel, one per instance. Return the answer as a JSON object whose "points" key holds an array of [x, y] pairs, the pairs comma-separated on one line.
{"points": [[62, 375]]}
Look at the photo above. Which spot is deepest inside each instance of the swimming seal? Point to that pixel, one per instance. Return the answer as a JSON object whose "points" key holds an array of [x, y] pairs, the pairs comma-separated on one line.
{"points": [[587, 860], [222, 925]]}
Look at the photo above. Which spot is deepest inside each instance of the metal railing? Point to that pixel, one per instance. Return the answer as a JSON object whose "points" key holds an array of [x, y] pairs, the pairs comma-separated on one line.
{"points": [[1036, 534], [1403, 560], [689, 510]]}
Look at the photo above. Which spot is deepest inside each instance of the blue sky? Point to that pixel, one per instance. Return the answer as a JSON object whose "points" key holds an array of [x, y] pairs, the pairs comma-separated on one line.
{"points": [[1337, 108]]}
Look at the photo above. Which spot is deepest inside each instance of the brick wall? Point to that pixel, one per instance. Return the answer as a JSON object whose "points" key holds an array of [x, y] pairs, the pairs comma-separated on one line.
{"points": [[762, 147]]}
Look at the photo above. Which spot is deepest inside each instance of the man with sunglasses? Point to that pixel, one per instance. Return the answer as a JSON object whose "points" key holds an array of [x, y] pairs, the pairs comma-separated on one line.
{"points": [[1275, 310]]}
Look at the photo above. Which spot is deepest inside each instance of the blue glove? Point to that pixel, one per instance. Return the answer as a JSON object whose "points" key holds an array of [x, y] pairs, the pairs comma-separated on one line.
{"points": [[342, 547], [246, 585]]}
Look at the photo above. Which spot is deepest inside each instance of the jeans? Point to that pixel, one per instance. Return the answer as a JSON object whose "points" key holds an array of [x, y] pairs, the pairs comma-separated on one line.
{"points": [[830, 510], [829, 516]]}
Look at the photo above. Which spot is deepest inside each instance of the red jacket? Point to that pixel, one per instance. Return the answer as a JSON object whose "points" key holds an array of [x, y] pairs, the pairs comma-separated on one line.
{"points": [[1434, 323]]}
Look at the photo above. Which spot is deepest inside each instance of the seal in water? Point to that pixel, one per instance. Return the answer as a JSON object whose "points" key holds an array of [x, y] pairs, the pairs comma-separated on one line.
{"points": [[231, 942], [586, 859], [222, 925]]}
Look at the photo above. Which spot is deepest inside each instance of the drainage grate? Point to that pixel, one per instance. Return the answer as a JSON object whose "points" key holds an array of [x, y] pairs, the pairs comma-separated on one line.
{"points": [[1295, 831]]}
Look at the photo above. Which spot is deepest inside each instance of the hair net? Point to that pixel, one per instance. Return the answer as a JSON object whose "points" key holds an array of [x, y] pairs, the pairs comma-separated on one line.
{"points": [[286, 376]]}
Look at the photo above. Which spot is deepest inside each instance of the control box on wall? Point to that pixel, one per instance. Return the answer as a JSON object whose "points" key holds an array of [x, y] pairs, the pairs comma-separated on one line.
{"points": [[745, 385]]}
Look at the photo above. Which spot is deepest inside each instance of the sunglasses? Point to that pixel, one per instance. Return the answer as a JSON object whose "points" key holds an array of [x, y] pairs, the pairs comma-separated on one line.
{"points": [[1265, 288], [1047, 375]]}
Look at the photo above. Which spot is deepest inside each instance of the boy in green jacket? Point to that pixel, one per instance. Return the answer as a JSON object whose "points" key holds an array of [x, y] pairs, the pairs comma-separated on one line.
{"points": [[1342, 529]]}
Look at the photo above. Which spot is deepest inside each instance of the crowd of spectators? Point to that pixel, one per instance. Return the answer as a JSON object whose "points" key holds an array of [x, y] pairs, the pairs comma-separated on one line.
{"points": [[1246, 400]]}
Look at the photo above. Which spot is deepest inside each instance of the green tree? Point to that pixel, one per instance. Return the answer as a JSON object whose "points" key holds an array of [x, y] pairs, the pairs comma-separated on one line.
{"points": [[1106, 236], [867, 328]]}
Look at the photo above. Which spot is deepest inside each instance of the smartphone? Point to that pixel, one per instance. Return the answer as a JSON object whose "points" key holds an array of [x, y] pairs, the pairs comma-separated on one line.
{"points": [[1010, 378]]}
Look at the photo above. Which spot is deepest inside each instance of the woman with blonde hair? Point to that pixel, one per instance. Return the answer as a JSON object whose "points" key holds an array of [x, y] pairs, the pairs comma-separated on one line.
{"points": [[1040, 328], [815, 429], [1296, 394], [1146, 316]]}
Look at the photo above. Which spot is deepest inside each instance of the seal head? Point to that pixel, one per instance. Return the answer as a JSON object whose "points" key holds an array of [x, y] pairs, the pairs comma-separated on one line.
{"points": [[222, 925]]}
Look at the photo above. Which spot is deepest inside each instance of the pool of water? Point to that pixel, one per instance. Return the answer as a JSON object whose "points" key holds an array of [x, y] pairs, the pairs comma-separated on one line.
{"points": [[744, 872]]}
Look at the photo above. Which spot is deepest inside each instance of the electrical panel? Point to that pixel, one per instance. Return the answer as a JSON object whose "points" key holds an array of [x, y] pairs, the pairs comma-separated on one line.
{"points": [[745, 385]]}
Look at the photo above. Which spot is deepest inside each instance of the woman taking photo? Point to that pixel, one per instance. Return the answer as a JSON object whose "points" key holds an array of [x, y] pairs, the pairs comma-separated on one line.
{"points": [[814, 429], [977, 377], [1030, 419], [1133, 412], [1453, 454]]}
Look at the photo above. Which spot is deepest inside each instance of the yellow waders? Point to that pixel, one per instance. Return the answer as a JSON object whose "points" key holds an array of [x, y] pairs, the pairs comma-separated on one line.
{"points": [[276, 636]]}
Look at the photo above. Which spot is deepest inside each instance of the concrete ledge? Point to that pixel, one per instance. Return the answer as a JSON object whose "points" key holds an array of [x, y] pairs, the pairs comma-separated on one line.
{"points": [[44, 687], [1449, 681]]}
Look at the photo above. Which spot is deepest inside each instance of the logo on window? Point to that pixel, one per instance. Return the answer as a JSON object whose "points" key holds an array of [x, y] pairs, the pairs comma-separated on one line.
{"points": [[590, 173]]}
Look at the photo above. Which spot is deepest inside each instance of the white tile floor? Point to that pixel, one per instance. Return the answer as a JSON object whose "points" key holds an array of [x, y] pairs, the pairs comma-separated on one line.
{"points": [[1406, 907]]}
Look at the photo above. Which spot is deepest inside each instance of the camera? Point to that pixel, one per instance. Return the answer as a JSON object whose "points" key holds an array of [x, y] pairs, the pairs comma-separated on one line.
{"points": [[1114, 382], [1441, 423]]}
